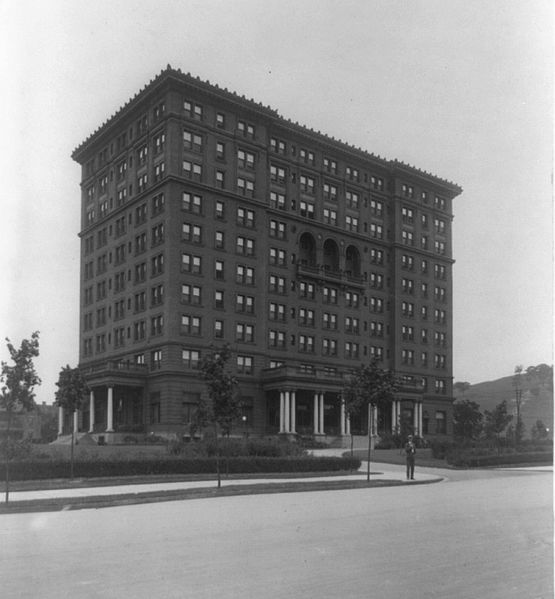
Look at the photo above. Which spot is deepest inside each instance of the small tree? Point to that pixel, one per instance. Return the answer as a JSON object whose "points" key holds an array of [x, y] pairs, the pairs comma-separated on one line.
{"points": [[223, 407], [369, 386], [17, 391], [497, 421], [517, 384], [467, 419], [461, 386], [71, 394], [539, 431]]}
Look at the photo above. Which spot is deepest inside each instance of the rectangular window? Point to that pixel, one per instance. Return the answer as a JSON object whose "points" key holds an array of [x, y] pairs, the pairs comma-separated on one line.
{"points": [[190, 358], [307, 290], [244, 275], [244, 303], [277, 284], [190, 325], [191, 203], [330, 216], [244, 364], [306, 344], [277, 200], [157, 325], [245, 217], [157, 265], [307, 184], [192, 233], [352, 198], [351, 350], [192, 141], [306, 209], [158, 234], [278, 257], [245, 187], [245, 159], [276, 312], [191, 294], [191, 264], [192, 110], [277, 229], [192, 170], [441, 421], [158, 204], [276, 339], [244, 246]]}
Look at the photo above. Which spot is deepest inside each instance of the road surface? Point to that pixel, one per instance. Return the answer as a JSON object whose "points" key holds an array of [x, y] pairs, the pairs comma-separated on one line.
{"points": [[487, 536]]}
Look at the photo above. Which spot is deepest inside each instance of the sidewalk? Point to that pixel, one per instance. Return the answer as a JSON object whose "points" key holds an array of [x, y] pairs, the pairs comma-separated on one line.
{"points": [[101, 496]]}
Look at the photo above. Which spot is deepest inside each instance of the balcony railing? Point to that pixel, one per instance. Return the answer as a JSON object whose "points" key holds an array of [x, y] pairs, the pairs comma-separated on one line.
{"points": [[325, 273], [302, 373], [115, 366]]}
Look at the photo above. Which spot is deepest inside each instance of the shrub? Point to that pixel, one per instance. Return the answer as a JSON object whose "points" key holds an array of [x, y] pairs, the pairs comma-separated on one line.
{"points": [[56, 468], [441, 448]]}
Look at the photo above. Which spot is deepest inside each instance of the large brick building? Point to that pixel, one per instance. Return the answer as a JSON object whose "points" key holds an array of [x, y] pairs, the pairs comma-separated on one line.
{"points": [[208, 218]]}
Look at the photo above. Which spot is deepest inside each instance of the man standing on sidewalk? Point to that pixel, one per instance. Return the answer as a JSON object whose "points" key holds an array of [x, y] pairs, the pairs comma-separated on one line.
{"points": [[410, 451]]}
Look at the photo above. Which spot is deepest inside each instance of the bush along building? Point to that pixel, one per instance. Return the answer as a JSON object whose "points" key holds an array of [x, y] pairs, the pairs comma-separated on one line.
{"points": [[208, 218]]}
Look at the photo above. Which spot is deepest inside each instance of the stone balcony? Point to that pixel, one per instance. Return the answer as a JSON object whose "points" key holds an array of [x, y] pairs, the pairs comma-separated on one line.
{"points": [[303, 377], [115, 372], [323, 274]]}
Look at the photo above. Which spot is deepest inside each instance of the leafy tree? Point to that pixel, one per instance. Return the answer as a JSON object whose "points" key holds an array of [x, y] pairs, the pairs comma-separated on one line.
{"points": [[369, 386], [463, 387], [71, 395], [497, 421], [17, 391], [223, 407], [517, 384], [467, 419], [539, 431]]}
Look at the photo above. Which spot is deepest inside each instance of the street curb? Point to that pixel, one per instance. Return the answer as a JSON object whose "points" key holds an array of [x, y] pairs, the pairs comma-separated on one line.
{"points": [[103, 501]]}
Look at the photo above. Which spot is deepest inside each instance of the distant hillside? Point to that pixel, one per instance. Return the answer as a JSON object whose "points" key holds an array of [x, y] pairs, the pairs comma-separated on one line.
{"points": [[537, 398]]}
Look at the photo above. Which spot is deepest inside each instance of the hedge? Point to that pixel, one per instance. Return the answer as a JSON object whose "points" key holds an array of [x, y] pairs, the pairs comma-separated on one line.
{"points": [[46, 469], [463, 460]]}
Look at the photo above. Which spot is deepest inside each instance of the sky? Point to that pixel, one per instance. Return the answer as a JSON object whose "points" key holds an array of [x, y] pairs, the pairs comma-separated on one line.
{"points": [[460, 88]]}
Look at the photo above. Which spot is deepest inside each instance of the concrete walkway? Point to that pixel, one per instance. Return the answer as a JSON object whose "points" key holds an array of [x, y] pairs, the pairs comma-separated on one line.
{"points": [[385, 473]]}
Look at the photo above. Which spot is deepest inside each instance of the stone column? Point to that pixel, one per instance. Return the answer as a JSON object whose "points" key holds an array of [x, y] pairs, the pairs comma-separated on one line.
{"points": [[415, 418], [293, 412], [60, 421], [110, 411], [316, 409], [348, 425], [287, 415], [281, 412], [91, 412], [76, 421], [321, 413], [342, 418], [419, 419]]}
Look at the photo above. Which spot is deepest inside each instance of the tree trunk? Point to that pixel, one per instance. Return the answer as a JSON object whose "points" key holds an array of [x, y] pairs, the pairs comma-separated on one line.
{"points": [[369, 442], [352, 450], [6, 455], [71, 454], [217, 457]]}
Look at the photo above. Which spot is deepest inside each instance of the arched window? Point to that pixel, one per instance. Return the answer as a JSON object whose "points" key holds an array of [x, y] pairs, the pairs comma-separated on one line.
{"points": [[352, 261], [331, 255], [307, 253]]}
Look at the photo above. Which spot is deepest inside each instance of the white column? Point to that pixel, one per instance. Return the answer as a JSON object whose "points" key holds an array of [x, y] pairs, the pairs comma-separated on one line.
{"points": [[293, 412], [281, 412], [321, 413], [420, 419], [60, 421], [91, 412], [76, 421], [415, 418], [342, 417], [316, 406], [393, 415], [287, 415], [110, 411], [348, 425]]}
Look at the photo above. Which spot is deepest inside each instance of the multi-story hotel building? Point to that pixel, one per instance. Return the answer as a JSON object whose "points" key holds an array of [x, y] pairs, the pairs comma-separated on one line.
{"points": [[208, 218]]}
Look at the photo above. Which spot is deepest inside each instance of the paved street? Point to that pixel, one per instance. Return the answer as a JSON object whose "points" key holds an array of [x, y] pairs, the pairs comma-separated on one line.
{"points": [[488, 535]]}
